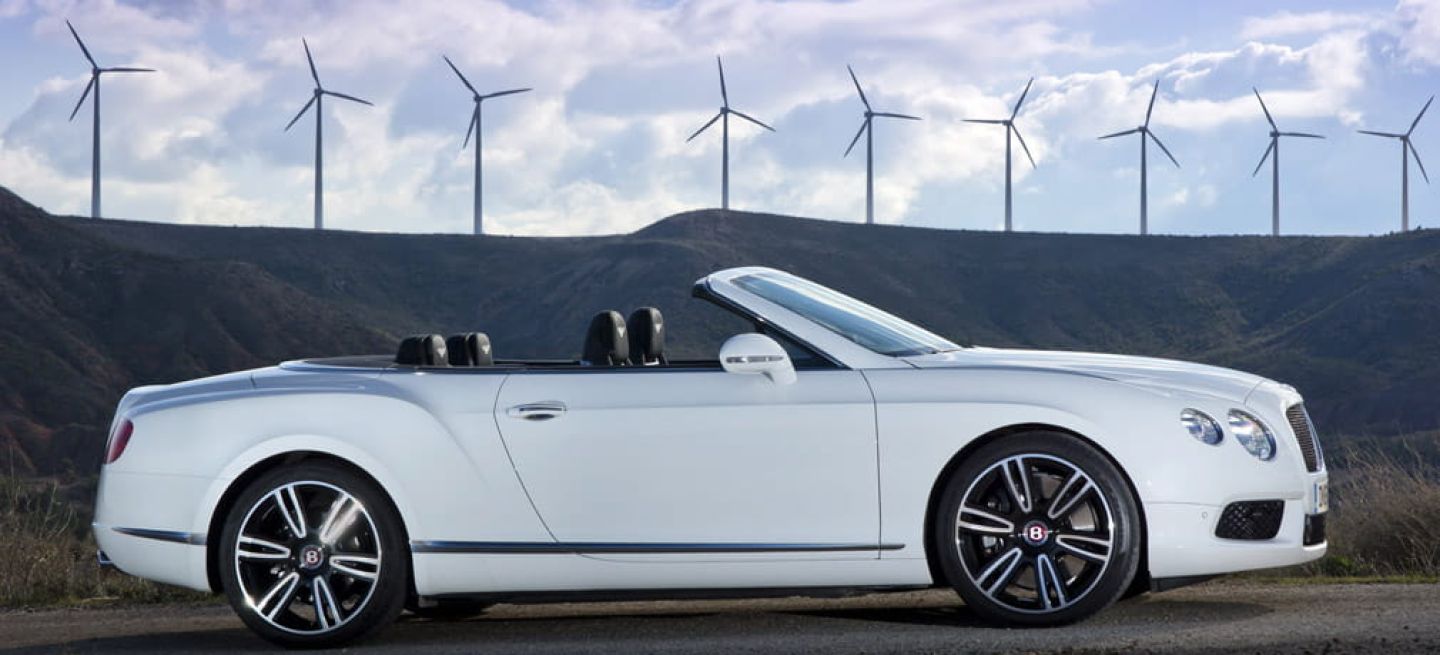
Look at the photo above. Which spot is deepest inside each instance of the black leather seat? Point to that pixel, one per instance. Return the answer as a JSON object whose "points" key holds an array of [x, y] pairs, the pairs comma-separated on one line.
{"points": [[469, 349], [422, 350], [647, 337], [605, 342]]}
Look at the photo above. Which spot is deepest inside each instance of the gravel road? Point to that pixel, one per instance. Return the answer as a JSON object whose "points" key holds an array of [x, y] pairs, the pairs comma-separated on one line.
{"points": [[1222, 617]]}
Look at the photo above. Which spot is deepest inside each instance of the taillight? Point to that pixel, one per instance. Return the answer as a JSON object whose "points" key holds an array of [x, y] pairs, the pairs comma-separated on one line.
{"points": [[119, 439]]}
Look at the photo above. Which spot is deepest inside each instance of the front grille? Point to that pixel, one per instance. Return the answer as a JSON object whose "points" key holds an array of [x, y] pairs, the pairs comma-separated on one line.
{"points": [[1305, 436], [1314, 529], [1251, 520]]}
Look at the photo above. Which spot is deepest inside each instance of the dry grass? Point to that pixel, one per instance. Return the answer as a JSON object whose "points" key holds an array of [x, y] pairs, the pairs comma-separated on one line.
{"points": [[50, 554], [1383, 515]]}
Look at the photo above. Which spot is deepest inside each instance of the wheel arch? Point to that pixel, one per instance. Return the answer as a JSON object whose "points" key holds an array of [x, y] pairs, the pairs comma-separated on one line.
{"points": [[932, 555], [238, 485]]}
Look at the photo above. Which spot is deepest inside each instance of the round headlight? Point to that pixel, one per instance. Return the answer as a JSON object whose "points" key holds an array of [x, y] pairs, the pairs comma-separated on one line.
{"points": [[1201, 426], [1253, 435]]}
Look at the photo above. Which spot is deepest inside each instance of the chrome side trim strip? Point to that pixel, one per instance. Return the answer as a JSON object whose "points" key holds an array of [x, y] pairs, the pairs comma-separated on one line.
{"points": [[164, 535], [584, 548]]}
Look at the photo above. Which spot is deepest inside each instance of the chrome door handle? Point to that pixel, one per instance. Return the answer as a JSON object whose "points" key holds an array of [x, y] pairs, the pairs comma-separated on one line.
{"points": [[541, 411]]}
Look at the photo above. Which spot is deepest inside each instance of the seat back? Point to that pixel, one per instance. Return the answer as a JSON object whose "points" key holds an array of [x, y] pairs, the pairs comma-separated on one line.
{"points": [[605, 342], [469, 349], [422, 350], [647, 337]]}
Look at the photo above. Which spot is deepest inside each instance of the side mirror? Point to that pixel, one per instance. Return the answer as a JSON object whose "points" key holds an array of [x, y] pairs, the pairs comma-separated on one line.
{"points": [[757, 353]]}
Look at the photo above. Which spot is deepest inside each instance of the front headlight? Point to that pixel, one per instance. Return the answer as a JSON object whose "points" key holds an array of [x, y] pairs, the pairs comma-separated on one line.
{"points": [[1253, 435], [1199, 425]]}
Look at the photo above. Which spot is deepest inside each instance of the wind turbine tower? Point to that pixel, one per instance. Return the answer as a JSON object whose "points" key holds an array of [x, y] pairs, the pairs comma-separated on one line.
{"points": [[317, 99], [1407, 150], [95, 72], [1273, 152], [868, 131], [724, 117], [476, 124], [1010, 130], [1145, 137]]}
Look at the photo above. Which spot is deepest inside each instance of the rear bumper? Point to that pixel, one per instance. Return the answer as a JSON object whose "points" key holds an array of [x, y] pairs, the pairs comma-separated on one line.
{"points": [[151, 526]]}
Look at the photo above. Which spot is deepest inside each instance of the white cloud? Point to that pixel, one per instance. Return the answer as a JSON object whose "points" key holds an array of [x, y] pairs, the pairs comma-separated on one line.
{"points": [[1286, 23]]}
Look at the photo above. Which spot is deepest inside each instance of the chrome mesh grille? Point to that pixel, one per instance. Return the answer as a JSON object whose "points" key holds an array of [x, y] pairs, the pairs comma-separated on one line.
{"points": [[1304, 436]]}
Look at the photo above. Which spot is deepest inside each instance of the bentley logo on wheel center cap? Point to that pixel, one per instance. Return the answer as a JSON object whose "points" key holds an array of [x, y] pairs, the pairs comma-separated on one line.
{"points": [[311, 557], [1035, 533]]}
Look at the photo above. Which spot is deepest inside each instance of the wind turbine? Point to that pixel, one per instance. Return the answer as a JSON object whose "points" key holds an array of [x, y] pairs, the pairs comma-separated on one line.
{"points": [[1407, 149], [1010, 129], [1144, 132], [869, 132], [724, 117], [1274, 149], [95, 72], [317, 99], [475, 127]]}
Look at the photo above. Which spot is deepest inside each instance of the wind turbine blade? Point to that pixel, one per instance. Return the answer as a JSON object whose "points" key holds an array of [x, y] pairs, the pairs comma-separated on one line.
{"points": [[1021, 101], [83, 95], [704, 127], [1419, 115], [474, 118], [1024, 147], [863, 127], [892, 115], [127, 69], [986, 121], [1416, 153], [1264, 157], [1129, 131], [1163, 148], [82, 44], [752, 119], [1304, 134], [856, 80], [313, 73], [1264, 108], [724, 97], [1390, 135], [350, 98], [464, 81], [302, 113], [508, 92], [1153, 92]]}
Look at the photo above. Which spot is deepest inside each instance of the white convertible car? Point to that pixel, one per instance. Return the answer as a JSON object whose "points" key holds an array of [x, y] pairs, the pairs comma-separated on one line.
{"points": [[829, 448]]}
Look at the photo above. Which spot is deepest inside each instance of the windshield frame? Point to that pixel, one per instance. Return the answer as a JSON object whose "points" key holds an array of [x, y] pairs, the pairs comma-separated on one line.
{"points": [[849, 318]]}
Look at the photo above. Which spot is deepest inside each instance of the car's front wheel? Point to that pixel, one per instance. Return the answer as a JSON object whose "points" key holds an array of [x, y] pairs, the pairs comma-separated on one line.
{"points": [[1038, 528], [312, 556]]}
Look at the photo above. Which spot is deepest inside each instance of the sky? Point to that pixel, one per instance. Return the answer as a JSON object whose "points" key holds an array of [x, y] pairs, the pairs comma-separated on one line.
{"points": [[599, 147]]}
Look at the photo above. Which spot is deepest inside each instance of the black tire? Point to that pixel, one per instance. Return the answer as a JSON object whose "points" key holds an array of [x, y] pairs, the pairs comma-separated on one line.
{"points": [[448, 610], [1009, 546], [360, 558]]}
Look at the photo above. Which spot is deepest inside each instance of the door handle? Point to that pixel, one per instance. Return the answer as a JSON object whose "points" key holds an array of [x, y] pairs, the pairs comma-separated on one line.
{"points": [[541, 411]]}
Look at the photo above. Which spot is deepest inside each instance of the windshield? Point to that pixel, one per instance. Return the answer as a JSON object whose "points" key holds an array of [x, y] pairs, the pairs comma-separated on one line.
{"points": [[845, 316]]}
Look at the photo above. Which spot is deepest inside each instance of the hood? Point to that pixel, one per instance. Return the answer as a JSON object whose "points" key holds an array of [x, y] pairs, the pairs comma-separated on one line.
{"points": [[1166, 376]]}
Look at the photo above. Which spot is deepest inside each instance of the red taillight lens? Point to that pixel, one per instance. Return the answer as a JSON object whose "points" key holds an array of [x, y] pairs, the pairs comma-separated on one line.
{"points": [[119, 439]]}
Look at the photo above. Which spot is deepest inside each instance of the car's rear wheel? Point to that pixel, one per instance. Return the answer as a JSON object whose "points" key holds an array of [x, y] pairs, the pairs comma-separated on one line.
{"points": [[1038, 528], [312, 556]]}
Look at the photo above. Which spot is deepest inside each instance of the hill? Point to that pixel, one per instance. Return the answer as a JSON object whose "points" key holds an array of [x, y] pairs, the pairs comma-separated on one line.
{"points": [[90, 308]]}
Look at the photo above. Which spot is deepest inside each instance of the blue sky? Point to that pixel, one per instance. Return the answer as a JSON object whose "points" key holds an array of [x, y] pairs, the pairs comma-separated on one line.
{"points": [[599, 147]]}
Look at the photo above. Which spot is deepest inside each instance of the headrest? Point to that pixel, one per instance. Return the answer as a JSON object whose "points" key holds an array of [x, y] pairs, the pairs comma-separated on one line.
{"points": [[469, 349], [605, 343], [422, 350], [647, 336]]}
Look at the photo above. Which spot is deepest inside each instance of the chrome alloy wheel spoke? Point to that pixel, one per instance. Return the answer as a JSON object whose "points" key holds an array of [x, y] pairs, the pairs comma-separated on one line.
{"points": [[327, 611], [1017, 480], [339, 518], [1077, 487], [985, 522], [1001, 571], [360, 567], [1048, 582], [278, 597], [291, 509], [1095, 549], [254, 548]]}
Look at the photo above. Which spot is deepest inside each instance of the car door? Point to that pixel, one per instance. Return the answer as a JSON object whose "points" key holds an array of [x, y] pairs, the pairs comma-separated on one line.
{"points": [[675, 461]]}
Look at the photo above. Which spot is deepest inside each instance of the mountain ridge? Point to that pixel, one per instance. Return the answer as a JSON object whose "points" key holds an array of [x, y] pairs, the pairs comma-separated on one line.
{"points": [[1348, 320]]}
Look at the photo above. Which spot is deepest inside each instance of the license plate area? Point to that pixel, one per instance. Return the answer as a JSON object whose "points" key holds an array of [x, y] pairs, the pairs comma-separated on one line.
{"points": [[1320, 497]]}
